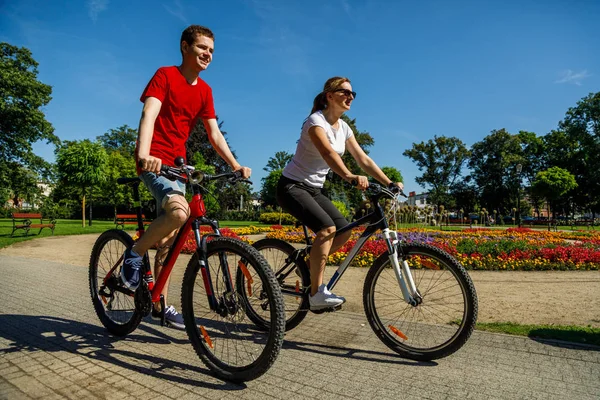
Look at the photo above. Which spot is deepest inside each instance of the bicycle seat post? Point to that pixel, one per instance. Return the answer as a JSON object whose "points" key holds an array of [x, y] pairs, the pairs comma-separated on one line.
{"points": [[307, 236]]}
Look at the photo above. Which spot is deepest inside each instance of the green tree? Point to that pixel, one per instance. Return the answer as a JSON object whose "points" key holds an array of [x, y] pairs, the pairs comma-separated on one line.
{"points": [[121, 139], [394, 174], [492, 164], [279, 161], [269, 188], [198, 142], [23, 184], [552, 184], [22, 121], [441, 160], [81, 165]]}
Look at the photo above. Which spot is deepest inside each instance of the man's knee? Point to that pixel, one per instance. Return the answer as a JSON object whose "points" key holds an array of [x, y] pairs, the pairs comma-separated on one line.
{"points": [[326, 233], [177, 210]]}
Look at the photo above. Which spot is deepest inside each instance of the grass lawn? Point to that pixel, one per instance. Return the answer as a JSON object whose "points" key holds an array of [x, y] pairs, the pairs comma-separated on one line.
{"points": [[569, 333], [73, 227]]}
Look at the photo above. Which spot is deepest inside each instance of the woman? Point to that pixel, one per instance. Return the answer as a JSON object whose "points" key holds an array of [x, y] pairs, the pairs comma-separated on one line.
{"points": [[323, 140]]}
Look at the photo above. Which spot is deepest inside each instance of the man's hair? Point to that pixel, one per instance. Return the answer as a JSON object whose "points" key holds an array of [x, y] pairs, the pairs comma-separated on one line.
{"points": [[190, 33]]}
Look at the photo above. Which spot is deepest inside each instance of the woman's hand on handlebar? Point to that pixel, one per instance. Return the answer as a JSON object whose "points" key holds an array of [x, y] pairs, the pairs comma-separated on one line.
{"points": [[150, 164], [359, 181], [399, 185], [245, 171]]}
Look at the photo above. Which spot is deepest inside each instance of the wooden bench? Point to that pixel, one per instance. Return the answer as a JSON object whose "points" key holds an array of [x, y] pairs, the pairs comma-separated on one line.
{"points": [[23, 221], [128, 219]]}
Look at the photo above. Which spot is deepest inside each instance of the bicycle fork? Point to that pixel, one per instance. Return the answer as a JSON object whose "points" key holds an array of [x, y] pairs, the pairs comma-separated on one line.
{"points": [[401, 269]]}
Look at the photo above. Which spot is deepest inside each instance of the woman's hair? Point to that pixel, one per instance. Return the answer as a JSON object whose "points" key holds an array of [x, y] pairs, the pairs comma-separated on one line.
{"points": [[332, 84]]}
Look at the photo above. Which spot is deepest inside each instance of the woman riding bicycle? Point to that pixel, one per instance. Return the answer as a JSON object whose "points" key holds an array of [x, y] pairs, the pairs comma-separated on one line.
{"points": [[323, 140]]}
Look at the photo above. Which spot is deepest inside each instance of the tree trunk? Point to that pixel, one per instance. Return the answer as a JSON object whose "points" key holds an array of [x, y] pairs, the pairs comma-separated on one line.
{"points": [[83, 211]]}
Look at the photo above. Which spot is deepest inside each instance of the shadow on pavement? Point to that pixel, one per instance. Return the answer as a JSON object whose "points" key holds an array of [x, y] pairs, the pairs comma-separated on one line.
{"points": [[358, 354], [578, 338], [52, 334]]}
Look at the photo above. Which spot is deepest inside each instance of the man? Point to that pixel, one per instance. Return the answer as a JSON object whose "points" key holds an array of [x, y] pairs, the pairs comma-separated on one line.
{"points": [[174, 99]]}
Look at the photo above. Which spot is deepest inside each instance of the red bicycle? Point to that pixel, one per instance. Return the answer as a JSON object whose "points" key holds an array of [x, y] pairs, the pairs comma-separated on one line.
{"points": [[223, 276]]}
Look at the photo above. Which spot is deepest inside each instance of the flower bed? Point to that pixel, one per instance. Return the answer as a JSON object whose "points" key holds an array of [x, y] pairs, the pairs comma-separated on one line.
{"points": [[486, 249]]}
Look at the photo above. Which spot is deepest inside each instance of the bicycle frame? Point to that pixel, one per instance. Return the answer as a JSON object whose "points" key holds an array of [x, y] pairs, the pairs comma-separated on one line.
{"points": [[196, 218], [376, 221]]}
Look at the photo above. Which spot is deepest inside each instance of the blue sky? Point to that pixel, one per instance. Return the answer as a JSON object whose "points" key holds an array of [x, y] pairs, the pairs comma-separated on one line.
{"points": [[421, 69]]}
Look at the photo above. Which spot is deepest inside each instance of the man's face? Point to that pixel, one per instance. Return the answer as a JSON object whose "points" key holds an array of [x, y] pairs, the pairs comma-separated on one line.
{"points": [[198, 54]]}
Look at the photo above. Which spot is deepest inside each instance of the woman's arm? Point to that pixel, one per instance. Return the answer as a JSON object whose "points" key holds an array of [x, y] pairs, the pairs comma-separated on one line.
{"points": [[366, 163], [319, 138]]}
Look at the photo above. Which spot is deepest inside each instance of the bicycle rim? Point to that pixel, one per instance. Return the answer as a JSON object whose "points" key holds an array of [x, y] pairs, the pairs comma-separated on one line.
{"points": [[116, 310], [438, 326], [229, 343]]}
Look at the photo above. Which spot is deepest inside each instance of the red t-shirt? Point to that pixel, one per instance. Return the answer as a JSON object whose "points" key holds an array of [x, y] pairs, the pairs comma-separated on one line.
{"points": [[182, 105]]}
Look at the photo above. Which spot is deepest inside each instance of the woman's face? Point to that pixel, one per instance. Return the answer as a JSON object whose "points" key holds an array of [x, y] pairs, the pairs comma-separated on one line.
{"points": [[342, 97]]}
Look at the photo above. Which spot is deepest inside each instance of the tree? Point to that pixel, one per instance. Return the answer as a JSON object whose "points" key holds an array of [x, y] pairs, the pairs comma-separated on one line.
{"points": [[394, 174], [22, 122], [23, 184], [441, 161], [121, 139], [81, 165], [198, 143], [269, 188], [492, 163], [553, 183], [279, 161]]}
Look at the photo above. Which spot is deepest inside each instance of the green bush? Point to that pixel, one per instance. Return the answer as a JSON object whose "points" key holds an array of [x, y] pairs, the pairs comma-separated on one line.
{"points": [[341, 208], [273, 218]]}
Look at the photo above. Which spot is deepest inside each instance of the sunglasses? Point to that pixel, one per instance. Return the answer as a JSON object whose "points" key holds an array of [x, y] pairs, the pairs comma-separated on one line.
{"points": [[346, 92]]}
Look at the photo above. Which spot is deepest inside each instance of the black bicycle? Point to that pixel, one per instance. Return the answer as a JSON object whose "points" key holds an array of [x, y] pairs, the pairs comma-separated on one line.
{"points": [[418, 299], [213, 310]]}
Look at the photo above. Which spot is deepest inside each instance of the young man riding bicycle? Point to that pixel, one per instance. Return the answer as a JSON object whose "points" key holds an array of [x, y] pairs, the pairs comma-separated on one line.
{"points": [[174, 100]]}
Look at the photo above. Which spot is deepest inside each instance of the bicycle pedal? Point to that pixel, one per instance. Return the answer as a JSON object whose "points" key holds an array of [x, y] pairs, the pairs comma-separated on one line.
{"points": [[328, 310]]}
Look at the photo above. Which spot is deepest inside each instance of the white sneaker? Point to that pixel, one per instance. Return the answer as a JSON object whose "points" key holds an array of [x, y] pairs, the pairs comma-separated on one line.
{"points": [[325, 299]]}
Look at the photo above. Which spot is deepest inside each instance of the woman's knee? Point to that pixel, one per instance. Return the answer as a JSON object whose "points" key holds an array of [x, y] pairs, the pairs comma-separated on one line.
{"points": [[326, 233]]}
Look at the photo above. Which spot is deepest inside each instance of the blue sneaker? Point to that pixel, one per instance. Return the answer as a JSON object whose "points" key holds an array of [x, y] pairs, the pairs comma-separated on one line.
{"points": [[131, 271]]}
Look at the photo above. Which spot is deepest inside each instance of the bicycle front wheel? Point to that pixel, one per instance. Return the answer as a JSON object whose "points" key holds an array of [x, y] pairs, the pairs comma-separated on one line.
{"points": [[114, 305], [444, 319], [226, 340]]}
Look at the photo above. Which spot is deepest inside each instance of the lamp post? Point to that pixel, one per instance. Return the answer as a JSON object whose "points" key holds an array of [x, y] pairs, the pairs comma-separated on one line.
{"points": [[519, 169]]}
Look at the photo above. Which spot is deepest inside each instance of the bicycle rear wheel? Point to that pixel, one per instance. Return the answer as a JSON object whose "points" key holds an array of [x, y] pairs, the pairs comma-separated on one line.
{"points": [[293, 278], [226, 340], [441, 323], [114, 305]]}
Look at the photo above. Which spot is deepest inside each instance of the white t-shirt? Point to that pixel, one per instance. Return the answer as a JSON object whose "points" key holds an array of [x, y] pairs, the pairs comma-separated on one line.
{"points": [[308, 165]]}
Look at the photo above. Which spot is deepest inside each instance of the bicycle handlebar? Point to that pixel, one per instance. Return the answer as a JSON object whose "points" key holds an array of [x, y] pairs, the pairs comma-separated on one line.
{"points": [[187, 173], [376, 189]]}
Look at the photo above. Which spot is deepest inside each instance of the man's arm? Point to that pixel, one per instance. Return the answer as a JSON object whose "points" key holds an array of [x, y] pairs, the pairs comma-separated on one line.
{"points": [[220, 145], [149, 113]]}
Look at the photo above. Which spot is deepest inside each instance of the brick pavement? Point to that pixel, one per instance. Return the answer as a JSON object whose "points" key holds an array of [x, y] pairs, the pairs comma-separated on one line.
{"points": [[52, 346]]}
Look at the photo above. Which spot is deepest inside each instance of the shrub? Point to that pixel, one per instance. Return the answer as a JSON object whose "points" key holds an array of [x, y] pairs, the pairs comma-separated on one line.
{"points": [[273, 218]]}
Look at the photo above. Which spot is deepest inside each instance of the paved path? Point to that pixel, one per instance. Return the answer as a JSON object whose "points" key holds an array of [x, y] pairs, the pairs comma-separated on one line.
{"points": [[52, 346]]}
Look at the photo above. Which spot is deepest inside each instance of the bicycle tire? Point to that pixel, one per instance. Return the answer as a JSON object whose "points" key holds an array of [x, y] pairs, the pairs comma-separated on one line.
{"points": [[107, 251], [213, 338], [276, 252], [411, 332]]}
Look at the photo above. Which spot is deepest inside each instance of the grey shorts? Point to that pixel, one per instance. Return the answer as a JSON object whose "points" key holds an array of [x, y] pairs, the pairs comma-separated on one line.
{"points": [[309, 205], [162, 188]]}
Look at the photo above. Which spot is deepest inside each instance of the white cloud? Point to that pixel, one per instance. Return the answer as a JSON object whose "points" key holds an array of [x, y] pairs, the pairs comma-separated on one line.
{"points": [[95, 7], [569, 76], [177, 11]]}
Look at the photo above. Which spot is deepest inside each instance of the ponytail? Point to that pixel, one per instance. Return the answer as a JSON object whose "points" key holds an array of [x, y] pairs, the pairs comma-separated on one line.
{"points": [[320, 102]]}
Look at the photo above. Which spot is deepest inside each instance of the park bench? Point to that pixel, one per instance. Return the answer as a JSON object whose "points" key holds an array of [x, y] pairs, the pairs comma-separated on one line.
{"points": [[24, 221], [128, 219]]}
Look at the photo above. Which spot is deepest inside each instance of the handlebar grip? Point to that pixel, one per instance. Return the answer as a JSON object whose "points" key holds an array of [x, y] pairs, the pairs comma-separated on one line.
{"points": [[354, 182]]}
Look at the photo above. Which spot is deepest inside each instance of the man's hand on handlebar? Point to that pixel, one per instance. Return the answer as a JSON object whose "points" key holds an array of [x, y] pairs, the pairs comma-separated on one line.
{"points": [[150, 164]]}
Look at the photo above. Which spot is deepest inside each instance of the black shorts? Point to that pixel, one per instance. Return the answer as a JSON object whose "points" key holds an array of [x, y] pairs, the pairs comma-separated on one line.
{"points": [[309, 205]]}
